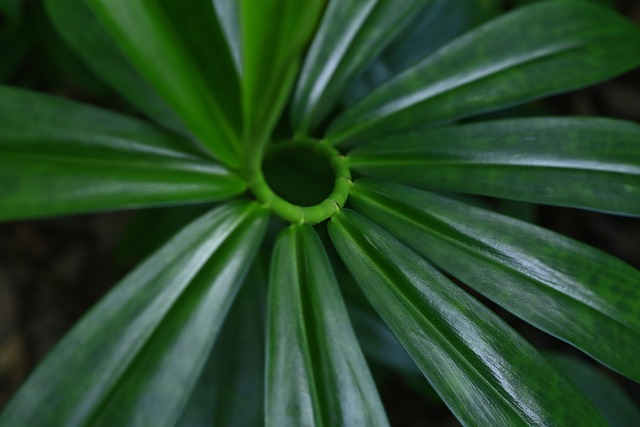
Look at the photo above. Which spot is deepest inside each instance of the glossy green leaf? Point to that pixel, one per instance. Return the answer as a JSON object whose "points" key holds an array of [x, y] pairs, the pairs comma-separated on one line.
{"points": [[351, 35], [181, 51], [316, 374], [378, 342], [608, 396], [82, 30], [484, 371], [135, 357], [230, 390], [582, 162], [539, 50], [274, 36], [568, 289], [229, 18], [436, 25], [57, 156]]}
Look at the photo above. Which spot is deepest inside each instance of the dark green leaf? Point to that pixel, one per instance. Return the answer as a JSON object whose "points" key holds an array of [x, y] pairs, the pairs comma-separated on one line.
{"points": [[274, 34], [82, 30], [135, 358], [229, 19], [572, 291], [582, 162], [378, 342], [316, 374], [436, 25], [546, 48], [230, 390], [484, 371], [181, 51], [57, 157], [351, 35], [606, 395]]}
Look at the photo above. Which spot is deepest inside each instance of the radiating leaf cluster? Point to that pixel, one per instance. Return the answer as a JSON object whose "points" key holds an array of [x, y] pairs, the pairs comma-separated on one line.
{"points": [[401, 88]]}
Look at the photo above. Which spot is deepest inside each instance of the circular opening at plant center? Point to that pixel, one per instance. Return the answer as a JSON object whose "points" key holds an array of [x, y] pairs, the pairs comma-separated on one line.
{"points": [[302, 181], [299, 174]]}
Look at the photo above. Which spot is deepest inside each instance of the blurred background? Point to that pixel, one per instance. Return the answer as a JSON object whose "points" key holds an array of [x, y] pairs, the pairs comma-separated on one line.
{"points": [[53, 270]]}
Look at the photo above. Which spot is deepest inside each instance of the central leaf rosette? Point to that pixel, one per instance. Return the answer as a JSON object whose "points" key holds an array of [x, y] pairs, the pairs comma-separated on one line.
{"points": [[303, 181]]}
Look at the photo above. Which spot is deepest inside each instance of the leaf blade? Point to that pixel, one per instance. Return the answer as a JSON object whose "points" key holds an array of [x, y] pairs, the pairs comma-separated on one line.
{"points": [[570, 290], [350, 36], [485, 70], [169, 45], [82, 30], [591, 163], [483, 370], [127, 353], [311, 379], [62, 157]]}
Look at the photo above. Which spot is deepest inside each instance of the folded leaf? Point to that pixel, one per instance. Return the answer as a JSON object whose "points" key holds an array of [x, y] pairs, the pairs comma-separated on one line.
{"points": [[316, 374], [351, 35], [57, 156], [570, 290], [135, 357], [229, 18], [539, 50], [484, 371], [436, 25], [82, 30], [582, 162], [230, 391], [274, 36], [181, 51]]}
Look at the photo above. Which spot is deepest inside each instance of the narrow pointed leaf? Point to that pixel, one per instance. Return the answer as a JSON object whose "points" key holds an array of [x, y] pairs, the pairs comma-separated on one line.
{"points": [[181, 51], [82, 30], [316, 374], [136, 356], [437, 24], [57, 156], [582, 162], [539, 50], [229, 18], [607, 395], [350, 36], [568, 289], [274, 36], [484, 371], [230, 389]]}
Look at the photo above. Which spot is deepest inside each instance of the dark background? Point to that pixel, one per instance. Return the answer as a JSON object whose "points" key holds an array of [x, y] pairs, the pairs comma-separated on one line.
{"points": [[53, 270]]}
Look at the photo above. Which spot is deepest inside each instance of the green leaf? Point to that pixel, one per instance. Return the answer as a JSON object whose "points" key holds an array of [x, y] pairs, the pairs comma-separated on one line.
{"points": [[609, 397], [484, 371], [570, 290], [432, 28], [229, 19], [57, 156], [82, 30], [316, 374], [230, 390], [351, 35], [539, 50], [135, 358], [582, 162], [274, 34], [181, 51], [378, 342]]}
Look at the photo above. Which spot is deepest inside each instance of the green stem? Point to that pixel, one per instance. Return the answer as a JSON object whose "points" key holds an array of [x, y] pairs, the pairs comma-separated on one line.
{"points": [[302, 214]]}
